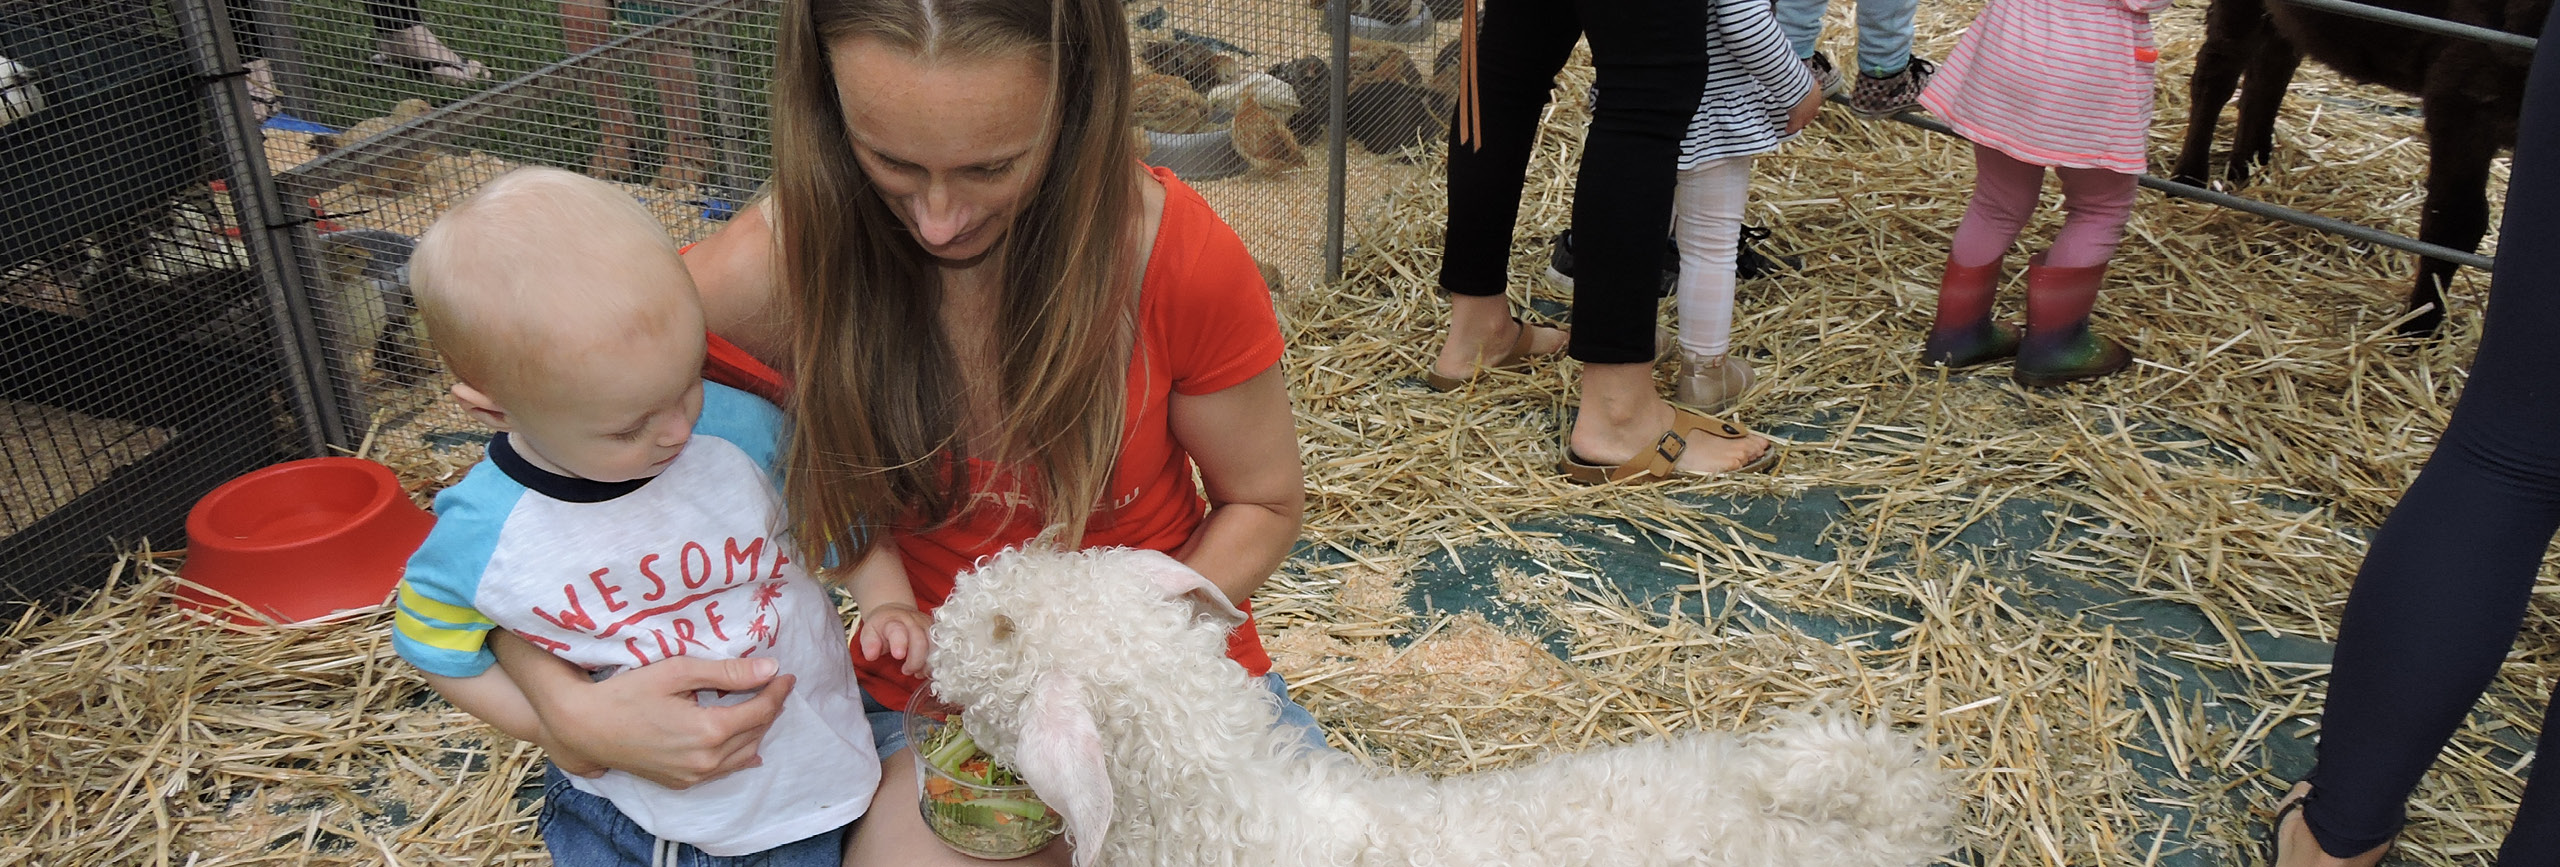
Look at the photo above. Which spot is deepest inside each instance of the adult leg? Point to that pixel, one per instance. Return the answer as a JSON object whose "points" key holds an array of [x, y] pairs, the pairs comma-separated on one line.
{"points": [[1651, 65], [680, 98], [585, 24], [1520, 46], [2443, 589]]}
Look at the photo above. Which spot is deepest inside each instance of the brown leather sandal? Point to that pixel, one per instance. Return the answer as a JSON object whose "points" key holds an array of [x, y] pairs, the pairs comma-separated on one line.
{"points": [[1663, 460], [1518, 356]]}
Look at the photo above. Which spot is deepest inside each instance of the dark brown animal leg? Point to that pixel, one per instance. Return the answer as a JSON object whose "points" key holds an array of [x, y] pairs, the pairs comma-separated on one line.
{"points": [[2459, 148], [2253, 137], [2233, 32]]}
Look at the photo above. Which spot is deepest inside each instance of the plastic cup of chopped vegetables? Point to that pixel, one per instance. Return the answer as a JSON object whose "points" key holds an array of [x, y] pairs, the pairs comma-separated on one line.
{"points": [[979, 807]]}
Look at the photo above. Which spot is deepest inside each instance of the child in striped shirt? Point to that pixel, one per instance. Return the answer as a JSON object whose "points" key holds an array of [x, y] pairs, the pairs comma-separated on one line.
{"points": [[1756, 98], [2064, 84]]}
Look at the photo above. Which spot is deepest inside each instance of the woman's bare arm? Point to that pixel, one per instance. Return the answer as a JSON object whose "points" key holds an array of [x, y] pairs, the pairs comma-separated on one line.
{"points": [[1245, 441], [741, 290], [644, 721]]}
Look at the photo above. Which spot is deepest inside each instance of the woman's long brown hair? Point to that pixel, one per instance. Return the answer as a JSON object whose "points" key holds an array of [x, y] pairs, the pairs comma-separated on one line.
{"points": [[878, 399]]}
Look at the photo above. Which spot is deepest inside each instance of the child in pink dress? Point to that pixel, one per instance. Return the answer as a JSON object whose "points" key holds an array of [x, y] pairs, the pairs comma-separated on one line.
{"points": [[2064, 84]]}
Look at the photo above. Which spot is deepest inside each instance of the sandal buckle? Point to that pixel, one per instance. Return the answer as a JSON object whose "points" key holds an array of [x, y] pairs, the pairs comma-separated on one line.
{"points": [[1673, 437]]}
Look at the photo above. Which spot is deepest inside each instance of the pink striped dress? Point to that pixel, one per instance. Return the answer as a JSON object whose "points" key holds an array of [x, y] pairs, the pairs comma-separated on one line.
{"points": [[2053, 82]]}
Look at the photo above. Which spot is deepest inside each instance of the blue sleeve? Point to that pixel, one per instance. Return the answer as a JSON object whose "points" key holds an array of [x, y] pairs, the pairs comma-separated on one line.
{"points": [[746, 420], [438, 626]]}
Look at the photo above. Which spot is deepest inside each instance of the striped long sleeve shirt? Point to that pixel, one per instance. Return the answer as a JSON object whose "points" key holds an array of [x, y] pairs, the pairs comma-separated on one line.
{"points": [[2054, 82], [1753, 78]]}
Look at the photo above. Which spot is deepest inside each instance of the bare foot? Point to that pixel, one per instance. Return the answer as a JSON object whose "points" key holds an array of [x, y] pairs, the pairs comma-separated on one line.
{"points": [[1482, 331], [1602, 439], [2295, 847]]}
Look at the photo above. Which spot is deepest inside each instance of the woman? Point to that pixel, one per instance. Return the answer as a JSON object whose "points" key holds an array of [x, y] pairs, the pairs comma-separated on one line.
{"points": [[2443, 590], [1650, 57], [996, 321]]}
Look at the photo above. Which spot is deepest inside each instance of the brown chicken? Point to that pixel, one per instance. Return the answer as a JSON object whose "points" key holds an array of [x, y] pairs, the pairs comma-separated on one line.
{"points": [[401, 167], [1200, 65], [1264, 141], [1373, 61], [1167, 104]]}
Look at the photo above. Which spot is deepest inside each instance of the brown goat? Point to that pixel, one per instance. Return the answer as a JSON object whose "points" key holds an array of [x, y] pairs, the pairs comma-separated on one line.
{"points": [[2470, 93]]}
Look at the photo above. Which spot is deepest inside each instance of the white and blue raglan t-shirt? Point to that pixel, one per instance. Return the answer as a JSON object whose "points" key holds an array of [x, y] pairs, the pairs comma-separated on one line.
{"points": [[691, 562]]}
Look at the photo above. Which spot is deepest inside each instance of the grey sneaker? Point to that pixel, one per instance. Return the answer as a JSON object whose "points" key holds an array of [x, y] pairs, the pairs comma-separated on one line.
{"points": [[1893, 94], [1824, 76]]}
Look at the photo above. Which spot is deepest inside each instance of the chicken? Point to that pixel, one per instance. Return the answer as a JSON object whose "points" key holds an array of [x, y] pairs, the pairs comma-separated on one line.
{"points": [[1276, 96], [1167, 104], [1200, 65], [1263, 140], [401, 165], [1373, 61]]}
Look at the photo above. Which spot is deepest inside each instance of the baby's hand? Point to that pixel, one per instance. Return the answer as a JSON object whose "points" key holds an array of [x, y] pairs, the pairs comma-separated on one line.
{"points": [[899, 630]]}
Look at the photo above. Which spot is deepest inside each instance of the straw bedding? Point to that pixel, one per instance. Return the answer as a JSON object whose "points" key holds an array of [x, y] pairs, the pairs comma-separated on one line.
{"points": [[2104, 602]]}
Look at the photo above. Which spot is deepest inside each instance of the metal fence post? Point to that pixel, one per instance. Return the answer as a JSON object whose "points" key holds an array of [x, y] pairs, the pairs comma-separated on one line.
{"points": [[1338, 19], [271, 238]]}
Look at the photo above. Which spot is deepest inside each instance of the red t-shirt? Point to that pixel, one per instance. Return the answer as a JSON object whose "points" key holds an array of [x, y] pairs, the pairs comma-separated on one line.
{"points": [[1205, 324]]}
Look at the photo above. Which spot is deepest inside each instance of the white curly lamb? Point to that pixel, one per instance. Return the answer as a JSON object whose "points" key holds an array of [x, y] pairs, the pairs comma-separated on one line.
{"points": [[1102, 676]]}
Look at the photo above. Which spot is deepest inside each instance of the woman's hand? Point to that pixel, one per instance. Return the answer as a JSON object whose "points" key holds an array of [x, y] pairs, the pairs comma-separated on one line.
{"points": [[1802, 114], [644, 721]]}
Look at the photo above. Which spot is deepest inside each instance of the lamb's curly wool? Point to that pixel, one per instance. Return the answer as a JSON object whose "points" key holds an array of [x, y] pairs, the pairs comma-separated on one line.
{"points": [[1102, 675]]}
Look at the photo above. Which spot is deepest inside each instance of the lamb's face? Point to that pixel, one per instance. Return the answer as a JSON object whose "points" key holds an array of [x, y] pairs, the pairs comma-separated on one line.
{"points": [[1033, 643]]}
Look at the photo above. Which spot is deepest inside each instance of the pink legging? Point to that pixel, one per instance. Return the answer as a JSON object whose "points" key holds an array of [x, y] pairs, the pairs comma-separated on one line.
{"points": [[2096, 203]]}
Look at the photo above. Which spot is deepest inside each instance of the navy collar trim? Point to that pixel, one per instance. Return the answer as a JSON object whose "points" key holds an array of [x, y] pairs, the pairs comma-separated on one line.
{"points": [[570, 489]]}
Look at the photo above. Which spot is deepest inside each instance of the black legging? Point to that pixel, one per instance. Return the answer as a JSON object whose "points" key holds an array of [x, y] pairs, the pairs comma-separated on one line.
{"points": [[1651, 60], [389, 16], [2444, 587]]}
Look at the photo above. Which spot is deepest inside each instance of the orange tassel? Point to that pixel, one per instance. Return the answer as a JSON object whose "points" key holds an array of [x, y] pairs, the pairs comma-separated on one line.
{"points": [[1470, 113]]}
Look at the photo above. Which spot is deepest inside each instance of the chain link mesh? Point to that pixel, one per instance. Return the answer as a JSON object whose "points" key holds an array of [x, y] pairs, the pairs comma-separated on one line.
{"points": [[140, 366], [140, 334]]}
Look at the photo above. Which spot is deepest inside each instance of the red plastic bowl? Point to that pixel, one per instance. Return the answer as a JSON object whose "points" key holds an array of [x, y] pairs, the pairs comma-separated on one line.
{"points": [[301, 540]]}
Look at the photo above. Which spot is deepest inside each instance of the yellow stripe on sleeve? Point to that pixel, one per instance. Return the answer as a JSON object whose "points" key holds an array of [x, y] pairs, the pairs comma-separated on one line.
{"points": [[413, 600], [457, 640]]}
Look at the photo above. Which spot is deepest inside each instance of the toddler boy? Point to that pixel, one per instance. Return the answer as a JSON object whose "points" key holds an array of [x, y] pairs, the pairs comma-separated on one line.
{"points": [[626, 512]]}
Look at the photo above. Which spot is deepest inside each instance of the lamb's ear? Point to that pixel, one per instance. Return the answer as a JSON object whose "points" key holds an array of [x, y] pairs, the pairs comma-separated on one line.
{"points": [[1061, 757], [1178, 580]]}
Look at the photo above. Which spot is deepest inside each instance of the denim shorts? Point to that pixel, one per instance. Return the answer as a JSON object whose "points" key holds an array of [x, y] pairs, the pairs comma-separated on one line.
{"points": [[889, 727], [583, 830]]}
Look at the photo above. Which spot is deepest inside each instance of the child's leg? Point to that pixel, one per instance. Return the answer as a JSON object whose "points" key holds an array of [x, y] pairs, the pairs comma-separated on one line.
{"points": [[2004, 196], [2096, 204], [1707, 214], [1884, 36], [1801, 20], [1707, 226], [2062, 284]]}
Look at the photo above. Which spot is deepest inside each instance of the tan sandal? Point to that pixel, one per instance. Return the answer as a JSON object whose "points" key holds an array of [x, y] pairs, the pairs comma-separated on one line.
{"points": [[1663, 460], [1518, 356]]}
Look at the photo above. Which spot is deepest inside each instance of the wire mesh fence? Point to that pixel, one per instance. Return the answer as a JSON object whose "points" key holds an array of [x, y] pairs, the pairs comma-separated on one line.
{"points": [[141, 365], [149, 323]]}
